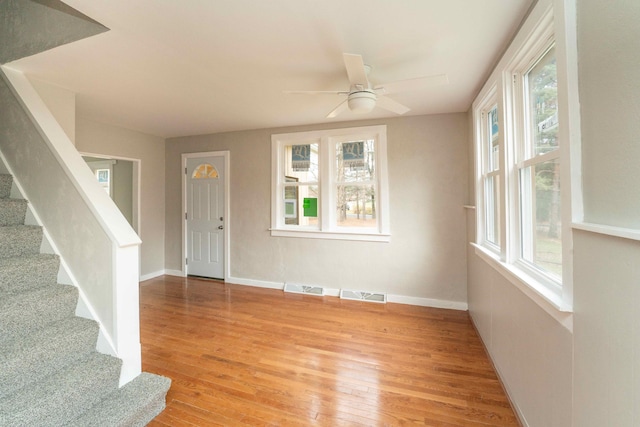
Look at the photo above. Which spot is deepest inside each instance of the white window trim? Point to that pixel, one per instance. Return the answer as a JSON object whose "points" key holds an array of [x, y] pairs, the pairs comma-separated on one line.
{"points": [[480, 111], [539, 43], [548, 19], [326, 184]]}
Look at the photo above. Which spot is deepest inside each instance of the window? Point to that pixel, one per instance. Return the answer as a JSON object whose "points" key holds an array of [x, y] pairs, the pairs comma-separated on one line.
{"points": [[104, 179], [331, 184], [539, 168], [103, 171], [205, 171], [489, 130], [522, 135]]}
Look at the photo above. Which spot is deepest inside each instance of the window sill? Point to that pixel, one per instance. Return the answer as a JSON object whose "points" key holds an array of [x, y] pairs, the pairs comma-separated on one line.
{"points": [[331, 235], [534, 290], [608, 230]]}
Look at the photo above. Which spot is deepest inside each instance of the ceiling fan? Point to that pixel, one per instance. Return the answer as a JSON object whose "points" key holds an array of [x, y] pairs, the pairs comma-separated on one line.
{"points": [[362, 97]]}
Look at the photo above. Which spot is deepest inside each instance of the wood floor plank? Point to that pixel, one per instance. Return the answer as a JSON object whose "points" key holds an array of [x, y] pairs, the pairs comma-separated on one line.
{"points": [[239, 355]]}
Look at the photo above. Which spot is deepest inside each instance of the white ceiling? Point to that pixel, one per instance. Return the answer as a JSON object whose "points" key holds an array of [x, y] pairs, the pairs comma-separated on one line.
{"points": [[176, 68]]}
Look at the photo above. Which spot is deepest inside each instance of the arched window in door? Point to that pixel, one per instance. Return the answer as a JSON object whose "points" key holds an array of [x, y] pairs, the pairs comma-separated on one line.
{"points": [[205, 171]]}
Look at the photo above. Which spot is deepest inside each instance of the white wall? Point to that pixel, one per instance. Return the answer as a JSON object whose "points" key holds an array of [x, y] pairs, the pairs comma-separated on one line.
{"points": [[99, 138], [427, 162], [607, 268]]}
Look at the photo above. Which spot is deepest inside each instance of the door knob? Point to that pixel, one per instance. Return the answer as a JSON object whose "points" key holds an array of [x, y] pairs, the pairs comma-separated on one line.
{"points": [[220, 227]]}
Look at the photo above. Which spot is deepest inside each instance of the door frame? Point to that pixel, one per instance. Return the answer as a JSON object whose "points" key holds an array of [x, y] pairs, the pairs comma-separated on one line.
{"points": [[227, 207], [136, 184]]}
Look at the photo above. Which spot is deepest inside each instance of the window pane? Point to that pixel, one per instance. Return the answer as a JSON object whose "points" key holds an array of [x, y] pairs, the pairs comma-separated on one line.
{"points": [[492, 214], [204, 171], [356, 206], [301, 205], [493, 150], [541, 225], [542, 93], [355, 161], [301, 162]]}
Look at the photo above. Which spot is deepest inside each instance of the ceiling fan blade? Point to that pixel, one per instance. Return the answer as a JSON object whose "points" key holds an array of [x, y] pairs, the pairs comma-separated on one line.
{"points": [[338, 110], [356, 70], [315, 92], [391, 105], [413, 84]]}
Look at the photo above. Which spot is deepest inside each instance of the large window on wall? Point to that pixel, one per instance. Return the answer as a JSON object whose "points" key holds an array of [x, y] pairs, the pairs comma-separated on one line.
{"points": [[488, 131], [521, 121], [539, 165], [330, 184]]}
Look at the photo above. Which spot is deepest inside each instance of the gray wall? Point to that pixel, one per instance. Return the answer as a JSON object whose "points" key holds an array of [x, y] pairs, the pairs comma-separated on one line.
{"points": [[30, 27], [607, 272], [427, 162], [123, 189], [106, 140]]}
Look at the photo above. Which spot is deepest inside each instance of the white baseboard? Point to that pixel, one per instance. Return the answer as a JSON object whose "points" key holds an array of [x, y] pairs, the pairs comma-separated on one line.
{"points": [[177, 273], [256, 283], [155, 274], [330, 292], [428, 302]]}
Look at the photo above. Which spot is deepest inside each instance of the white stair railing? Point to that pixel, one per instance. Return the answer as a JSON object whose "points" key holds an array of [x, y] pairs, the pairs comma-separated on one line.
{"points": [[96, 244]]}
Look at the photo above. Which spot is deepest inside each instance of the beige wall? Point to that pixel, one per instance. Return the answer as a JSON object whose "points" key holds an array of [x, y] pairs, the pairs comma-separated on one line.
{"points": [[61, 103], [427, 161], [607, 272], [98, 138]]}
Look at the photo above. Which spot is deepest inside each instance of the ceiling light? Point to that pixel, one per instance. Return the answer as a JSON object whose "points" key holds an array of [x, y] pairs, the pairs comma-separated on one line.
{"points": [[362, 102]]}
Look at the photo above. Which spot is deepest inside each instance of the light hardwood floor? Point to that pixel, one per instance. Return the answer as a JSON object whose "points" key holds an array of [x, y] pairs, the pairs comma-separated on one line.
{"points": [[239, 355]]}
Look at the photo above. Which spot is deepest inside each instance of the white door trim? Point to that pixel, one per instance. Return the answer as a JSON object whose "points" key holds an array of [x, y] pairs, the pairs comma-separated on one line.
{"points": [[227, 208]]}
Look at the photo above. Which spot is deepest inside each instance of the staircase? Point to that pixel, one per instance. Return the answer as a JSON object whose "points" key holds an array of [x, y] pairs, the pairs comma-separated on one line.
{"points": [[50, 372]]}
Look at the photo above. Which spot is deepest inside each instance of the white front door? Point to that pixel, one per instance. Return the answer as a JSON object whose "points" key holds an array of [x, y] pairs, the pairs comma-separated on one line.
{"points": [[205, 216]]}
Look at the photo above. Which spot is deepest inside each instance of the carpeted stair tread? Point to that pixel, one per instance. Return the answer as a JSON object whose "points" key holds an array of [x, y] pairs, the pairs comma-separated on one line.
{"points": [[20, 240], [135, 404], [50, 372], [62, 397], [28, 312], [19, 274], [6, 182], [36, 356], [12, 211]]}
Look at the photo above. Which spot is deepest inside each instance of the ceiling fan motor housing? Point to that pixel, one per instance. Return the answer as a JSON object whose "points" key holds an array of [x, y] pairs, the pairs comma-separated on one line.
{"points": [[362, 101]]}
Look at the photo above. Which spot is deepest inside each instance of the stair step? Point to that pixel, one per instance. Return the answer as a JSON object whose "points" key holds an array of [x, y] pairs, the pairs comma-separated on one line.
{"points": [[135, 404], [6, 182], [30, 311], [12, 211], [36, 356], [20, 240], [50, 373], [62, 397], [22, 273]]}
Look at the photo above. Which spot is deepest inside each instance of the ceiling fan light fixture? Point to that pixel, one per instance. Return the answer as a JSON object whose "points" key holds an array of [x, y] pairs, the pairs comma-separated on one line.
{"points": [[362, 102]]}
